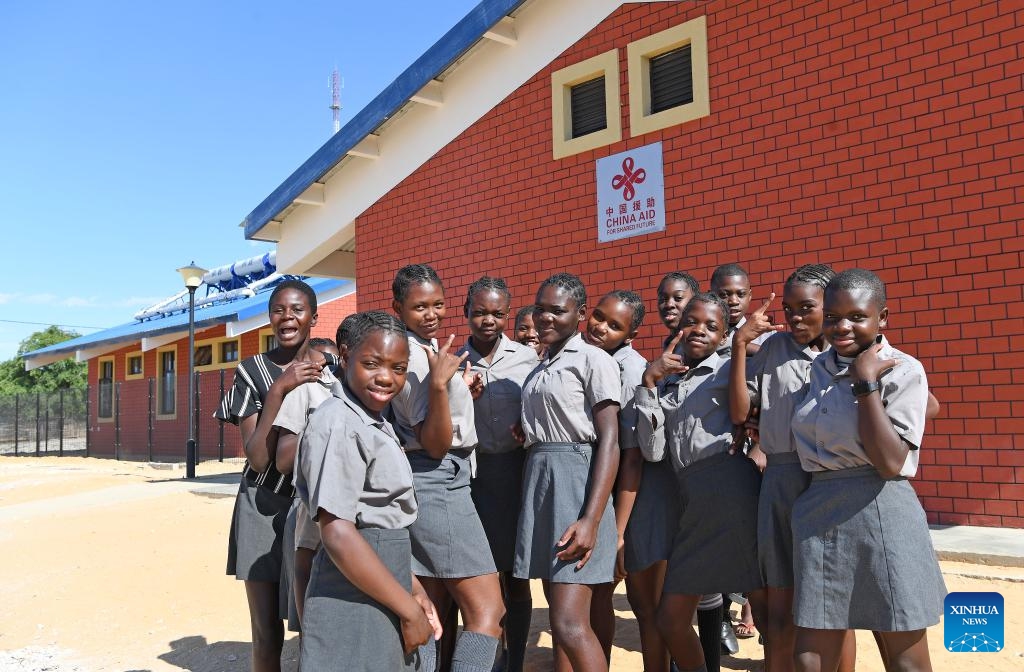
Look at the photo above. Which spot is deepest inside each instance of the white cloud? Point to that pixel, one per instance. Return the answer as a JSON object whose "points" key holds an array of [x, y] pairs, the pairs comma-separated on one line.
{"points": [[6, 298]]}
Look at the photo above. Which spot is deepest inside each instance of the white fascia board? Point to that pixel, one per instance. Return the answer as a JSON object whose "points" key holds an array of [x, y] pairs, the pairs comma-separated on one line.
{"points": [[154, 342], [544, 30]]}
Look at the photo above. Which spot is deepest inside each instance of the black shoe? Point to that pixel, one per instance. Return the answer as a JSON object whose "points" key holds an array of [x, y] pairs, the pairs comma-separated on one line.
{"points": [[730, 645]]}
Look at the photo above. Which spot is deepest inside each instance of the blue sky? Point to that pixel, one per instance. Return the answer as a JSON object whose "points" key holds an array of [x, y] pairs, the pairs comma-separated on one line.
{"points": [[135, 136]]}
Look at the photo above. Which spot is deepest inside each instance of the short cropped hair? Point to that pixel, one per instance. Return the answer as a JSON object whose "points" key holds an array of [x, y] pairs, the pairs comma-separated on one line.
{"points": [[859, 278], [568, 282], [413, 274], [297, 285], [315, 343], [727, 271], [683, 276], [483, 284], [633, 300], [710, 299], [523, 312]]}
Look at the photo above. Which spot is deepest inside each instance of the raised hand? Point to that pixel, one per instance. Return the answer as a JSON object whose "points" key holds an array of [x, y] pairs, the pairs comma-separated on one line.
{"points": [[868, 366], [669, 363], [758, 323], [443, 364], [299, 373], [474, 381]]}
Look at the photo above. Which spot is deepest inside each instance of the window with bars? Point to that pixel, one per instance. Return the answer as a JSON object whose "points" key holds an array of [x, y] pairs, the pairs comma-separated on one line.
{"points": [[105, 407], [671, 82], [167, 388], [587, 104]]}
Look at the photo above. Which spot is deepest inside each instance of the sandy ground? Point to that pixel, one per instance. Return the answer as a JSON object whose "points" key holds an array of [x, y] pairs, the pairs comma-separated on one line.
{"points": [[120, 566]]}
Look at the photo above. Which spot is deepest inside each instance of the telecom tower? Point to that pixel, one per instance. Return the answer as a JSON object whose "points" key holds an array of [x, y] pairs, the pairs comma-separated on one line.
{"points": [[336, 99]]}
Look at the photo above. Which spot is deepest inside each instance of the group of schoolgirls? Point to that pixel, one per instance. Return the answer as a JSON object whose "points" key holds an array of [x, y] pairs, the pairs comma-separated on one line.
{"points": [[429, 480]]}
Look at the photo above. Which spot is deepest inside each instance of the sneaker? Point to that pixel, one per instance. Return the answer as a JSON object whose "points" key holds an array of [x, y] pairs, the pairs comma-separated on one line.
{"points": [[730, 645]]}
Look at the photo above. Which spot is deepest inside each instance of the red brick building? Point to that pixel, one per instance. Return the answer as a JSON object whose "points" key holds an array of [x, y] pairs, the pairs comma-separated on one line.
{"points": [[138, 372], [886, 135]]}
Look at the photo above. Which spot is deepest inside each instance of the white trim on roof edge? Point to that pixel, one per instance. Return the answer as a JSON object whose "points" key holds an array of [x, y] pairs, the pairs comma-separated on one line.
{"points": [[309, 236]]}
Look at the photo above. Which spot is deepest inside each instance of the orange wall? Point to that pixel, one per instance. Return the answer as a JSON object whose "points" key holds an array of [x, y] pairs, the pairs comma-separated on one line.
{"points": [[885, 135]]}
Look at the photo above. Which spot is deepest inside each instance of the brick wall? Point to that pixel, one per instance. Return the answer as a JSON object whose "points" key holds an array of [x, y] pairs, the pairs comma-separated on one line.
{"points": [[885, 135]]}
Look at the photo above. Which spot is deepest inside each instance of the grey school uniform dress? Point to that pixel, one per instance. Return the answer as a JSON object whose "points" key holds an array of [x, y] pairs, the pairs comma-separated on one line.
{"points": [[299, 529], [448, 540], [864, 556], [263, 500], [351, 465], [652, 523], [777, 380], [497, 487], [715, 545], [558, 421]]}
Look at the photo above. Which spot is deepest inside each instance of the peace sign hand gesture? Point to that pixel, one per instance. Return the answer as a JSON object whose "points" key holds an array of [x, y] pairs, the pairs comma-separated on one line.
{"points": [[669, 363], [443, 364], [758, 323]]}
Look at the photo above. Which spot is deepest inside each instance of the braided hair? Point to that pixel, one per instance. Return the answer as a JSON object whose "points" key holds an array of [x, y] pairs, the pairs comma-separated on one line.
{"points": [[682, 276], [633, 300], [413, 274], [818, 275], [486, 284], [364, 324], [569, 283]]}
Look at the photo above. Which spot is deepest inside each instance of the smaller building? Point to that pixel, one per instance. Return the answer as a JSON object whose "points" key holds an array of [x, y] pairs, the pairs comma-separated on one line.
{"points": [[138, 371]]}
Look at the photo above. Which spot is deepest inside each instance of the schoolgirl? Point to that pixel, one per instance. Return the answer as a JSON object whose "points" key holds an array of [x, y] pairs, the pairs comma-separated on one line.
{"points": [[435, 419], [264, 494], [567, 532], [687, 416], [525, 332], [301, 535], [674, 291], [364, 609], [863, 553], [642, 488], [774, 380], [501, 366]]}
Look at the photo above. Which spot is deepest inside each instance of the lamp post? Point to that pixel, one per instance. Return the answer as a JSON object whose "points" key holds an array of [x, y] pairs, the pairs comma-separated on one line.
{"points": [[193, 277]]}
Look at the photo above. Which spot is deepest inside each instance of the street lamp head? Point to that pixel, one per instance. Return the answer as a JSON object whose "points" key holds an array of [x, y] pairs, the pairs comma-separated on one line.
{"points": [[192, 275]]}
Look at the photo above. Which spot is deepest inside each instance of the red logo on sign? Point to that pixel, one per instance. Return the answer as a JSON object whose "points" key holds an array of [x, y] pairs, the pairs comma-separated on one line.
{"points": [[628, 179]]}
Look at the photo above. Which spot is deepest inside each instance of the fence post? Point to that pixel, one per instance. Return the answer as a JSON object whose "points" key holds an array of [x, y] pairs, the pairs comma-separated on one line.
{"points": [[46, 426], [88, 410], [60, 446], [117, 421], [220, 425], [37, 424], [195, 417], [17, 413], [149, 419]]}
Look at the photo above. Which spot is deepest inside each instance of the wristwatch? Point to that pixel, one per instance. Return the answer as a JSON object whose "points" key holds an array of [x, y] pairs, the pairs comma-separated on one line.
{"points": [[865, 387]]}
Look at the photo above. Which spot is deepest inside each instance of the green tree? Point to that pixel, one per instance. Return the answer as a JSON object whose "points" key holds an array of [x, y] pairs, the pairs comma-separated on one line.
{"points": [[67, 373]]}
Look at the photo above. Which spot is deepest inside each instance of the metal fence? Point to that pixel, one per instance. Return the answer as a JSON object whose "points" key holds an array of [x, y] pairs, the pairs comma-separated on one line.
{"points": [[45, 423]]}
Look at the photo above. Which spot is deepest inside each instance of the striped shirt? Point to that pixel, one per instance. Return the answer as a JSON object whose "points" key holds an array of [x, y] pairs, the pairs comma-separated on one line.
{"points": [[253, 379]]}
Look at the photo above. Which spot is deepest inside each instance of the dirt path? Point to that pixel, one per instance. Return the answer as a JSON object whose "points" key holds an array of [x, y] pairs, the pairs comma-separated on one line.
{"points": [[118, 566]]}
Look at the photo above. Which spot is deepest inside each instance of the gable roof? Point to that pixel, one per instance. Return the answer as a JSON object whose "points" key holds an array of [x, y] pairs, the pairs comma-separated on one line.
{"points": [[496, 48], [240, 315]]}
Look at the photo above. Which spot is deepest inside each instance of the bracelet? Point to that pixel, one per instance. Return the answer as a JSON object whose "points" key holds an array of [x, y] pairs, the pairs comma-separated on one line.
{"points": [[865, 387]]}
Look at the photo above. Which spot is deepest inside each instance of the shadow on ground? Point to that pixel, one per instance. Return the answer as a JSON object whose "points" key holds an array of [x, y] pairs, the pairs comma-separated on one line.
{"points": [[198, 655]]}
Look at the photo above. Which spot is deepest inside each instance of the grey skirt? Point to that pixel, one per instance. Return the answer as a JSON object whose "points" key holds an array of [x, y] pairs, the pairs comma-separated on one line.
{"points": [[497, 493], [448, 540], [346, 630], [286, 608], [652, 524], [783, 481], [556, 483], [715, 547], [257, 529], [863, 555]]}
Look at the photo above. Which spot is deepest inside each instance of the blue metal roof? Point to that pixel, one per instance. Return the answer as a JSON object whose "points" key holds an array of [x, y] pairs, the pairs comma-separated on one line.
{"points": [[427, 67], [208, 316]]}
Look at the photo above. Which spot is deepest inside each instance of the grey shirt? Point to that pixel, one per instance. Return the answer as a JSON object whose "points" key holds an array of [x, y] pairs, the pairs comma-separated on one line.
{"points": [[560, 394], [825, 422], [410, 405], [352, 466], [777, 380], [725, 349], [293, 416], [686, 416], [500, 405], [631, 372]]}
